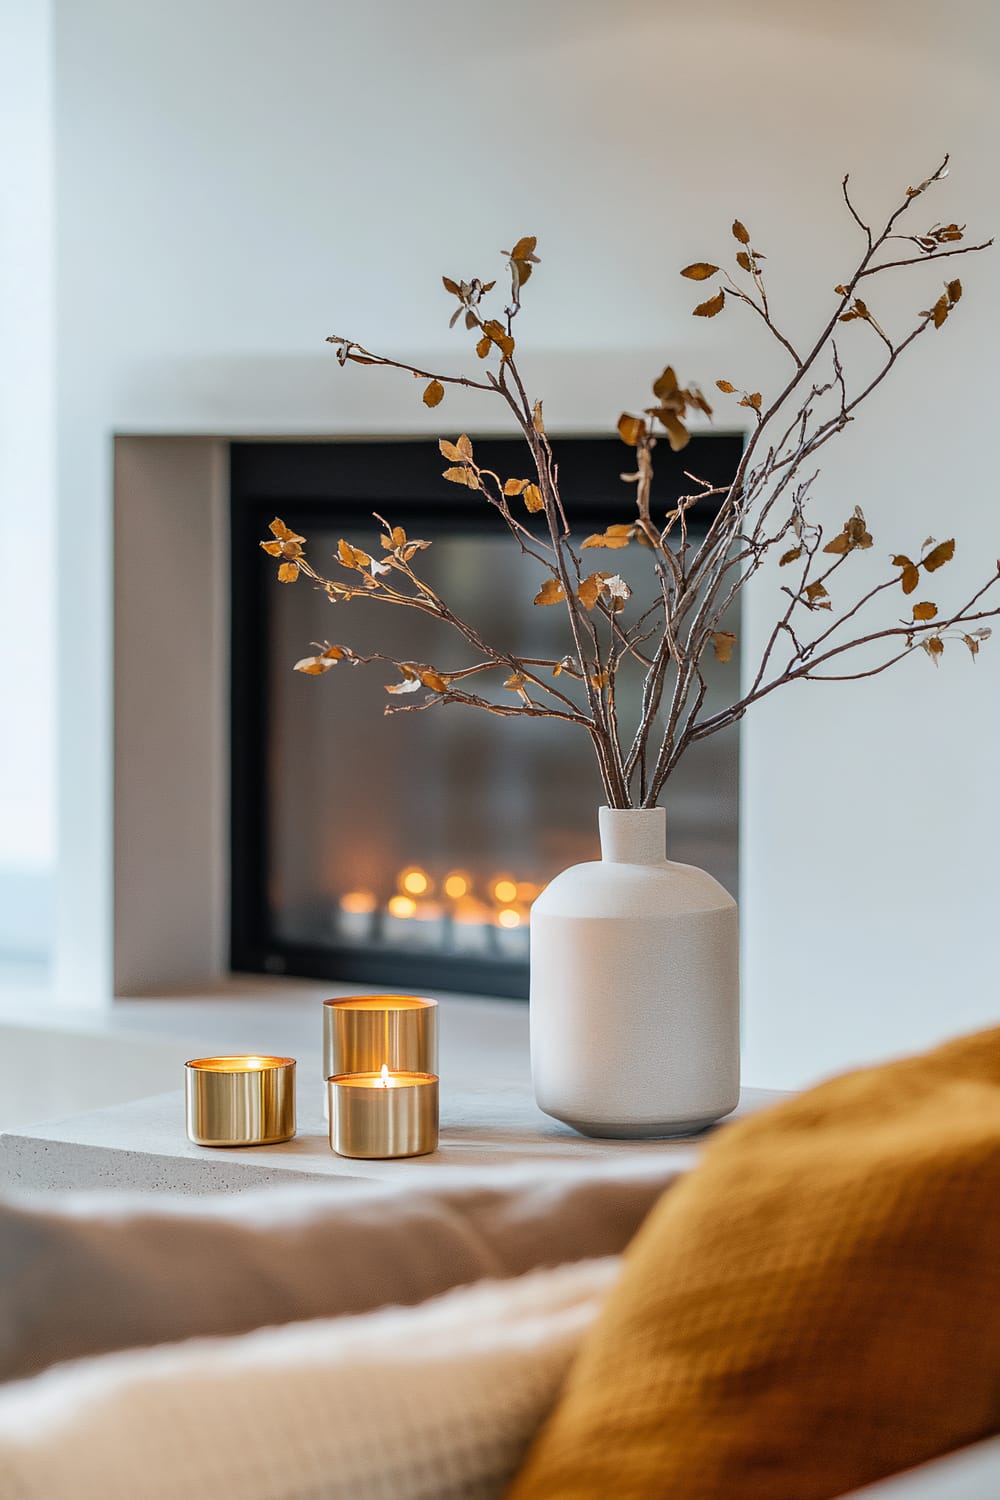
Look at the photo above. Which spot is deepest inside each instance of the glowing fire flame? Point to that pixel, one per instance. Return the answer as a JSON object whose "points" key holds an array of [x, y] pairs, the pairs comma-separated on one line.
{"points": [[384, 1082]]}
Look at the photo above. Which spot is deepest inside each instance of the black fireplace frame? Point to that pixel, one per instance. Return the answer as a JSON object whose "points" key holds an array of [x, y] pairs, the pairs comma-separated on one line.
{"points": [[304, 481]]}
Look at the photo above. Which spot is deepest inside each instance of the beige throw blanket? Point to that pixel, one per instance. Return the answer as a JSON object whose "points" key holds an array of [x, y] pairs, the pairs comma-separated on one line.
{"points": [[434, 1402]]}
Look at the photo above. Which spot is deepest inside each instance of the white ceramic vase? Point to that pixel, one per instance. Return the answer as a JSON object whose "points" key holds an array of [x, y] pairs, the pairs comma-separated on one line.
{"points": [[635, 989]]}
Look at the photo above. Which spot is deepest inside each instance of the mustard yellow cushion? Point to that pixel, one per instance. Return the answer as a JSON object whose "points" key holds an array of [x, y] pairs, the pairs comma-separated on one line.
{"points": [[816, 1306]]}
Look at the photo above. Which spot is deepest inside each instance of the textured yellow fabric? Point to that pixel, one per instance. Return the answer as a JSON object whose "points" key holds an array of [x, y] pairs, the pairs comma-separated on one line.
{"points": [[815, 1306]]}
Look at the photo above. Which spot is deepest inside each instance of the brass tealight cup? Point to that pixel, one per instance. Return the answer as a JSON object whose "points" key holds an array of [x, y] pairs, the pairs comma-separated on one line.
{"points": [[240, 1101], [363, 1032], [384, 1114]]}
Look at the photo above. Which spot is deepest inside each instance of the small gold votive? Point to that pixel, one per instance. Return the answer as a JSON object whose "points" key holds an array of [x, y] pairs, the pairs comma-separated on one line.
{"points": [[240, 1101], [378, 1115], [362, 1032]]}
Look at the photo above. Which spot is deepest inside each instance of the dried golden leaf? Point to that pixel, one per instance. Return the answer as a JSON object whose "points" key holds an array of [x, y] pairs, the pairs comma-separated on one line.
{"points": [[974, 640], [753, 398], [817, 596], [395, 541], [590, 589], [524, 248], [536, 418], [940, 310], [934, 648], [791, 556], [631, 430], [434, 393], [451, 286], [335, 653], [941, 554], [471, 321], [412, 548], [857, 531], [282, 532], [352, 557], [287, 544], [743, 261], [677, 434], [288, 572], [450, 451], [435, 681], [853, 536], [910, 579], [551, 592], [461, 475], [566, 664], [484, 346], [723, 642], [464, 446], [925, 611], [515, 681], [711, 307], [599, 680], [515, 486], [699, 270], [726, 387], [498, 335], [409, 684], [614, 536], [665, 385], [533, 498], [954, 291], [313, 666], [741, 232]]}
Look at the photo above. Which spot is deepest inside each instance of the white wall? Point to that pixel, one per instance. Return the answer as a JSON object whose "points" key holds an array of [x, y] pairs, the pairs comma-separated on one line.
{"points": [[236, 179], [26, 478]]}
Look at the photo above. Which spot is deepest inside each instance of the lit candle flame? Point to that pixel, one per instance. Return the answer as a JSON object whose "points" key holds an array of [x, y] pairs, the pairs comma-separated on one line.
{"points": [[384, 1082]]}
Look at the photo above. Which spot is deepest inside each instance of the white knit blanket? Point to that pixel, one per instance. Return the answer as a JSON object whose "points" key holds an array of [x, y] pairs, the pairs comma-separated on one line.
{"points": [[433, 1402]]}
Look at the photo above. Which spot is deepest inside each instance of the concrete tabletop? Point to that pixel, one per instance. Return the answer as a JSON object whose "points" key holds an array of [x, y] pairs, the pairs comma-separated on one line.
{"points": [[142, 1146], [488, 1114]]}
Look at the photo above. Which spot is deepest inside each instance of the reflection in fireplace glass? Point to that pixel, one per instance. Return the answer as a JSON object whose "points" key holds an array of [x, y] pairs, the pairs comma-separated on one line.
{"points": [[430, 833]]}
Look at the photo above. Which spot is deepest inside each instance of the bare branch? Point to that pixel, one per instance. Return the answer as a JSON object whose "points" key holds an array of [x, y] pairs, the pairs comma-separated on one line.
{"points": [[695, 581]]}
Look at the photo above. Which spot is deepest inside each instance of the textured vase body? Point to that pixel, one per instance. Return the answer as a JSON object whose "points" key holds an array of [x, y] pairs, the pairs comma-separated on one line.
{"points": [[635, 989]]}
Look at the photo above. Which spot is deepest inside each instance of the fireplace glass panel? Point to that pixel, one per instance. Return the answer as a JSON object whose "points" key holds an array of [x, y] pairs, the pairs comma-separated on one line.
{"points": [[435, 829]]}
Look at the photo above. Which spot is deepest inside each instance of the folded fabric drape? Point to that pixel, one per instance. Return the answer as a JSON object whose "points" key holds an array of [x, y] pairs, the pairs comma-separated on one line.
{"points": [[99, 1272]]}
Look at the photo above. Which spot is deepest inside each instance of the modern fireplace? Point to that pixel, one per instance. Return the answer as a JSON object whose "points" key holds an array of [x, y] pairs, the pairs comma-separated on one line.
{"points": [[407, 851]]}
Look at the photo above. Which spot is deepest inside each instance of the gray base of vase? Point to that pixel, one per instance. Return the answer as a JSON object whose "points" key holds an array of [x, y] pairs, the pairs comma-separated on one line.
{"points": [[658, 1130]]}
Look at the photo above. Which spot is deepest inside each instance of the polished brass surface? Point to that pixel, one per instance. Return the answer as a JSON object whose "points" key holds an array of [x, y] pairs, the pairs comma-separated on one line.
{"points": [[371, 1121], [240, 1101], [362, 1032]]}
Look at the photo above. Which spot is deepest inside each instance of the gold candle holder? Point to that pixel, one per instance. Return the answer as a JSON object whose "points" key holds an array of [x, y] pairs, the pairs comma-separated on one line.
{"points": [[240, 1101], [384, 1114], [363, 1032]]}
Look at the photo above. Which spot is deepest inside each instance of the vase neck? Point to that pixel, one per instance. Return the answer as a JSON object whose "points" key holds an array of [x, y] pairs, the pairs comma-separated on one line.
{"points": [[633, 836]]}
